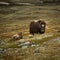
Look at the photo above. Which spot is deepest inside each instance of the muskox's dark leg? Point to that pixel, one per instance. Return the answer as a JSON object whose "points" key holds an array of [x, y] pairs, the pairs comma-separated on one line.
{"points": [[32, 33], [42, 32]]}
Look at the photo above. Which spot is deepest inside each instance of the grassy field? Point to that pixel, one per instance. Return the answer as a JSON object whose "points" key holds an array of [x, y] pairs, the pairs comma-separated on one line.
{"points": [[17, 19]]}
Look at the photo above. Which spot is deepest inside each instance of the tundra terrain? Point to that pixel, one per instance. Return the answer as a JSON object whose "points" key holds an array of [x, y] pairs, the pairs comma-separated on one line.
{"points": [[15, 19]]}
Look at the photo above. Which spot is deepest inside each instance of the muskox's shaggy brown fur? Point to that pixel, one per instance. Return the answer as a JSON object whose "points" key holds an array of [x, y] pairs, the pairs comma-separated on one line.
{"points": [[37, 27]]}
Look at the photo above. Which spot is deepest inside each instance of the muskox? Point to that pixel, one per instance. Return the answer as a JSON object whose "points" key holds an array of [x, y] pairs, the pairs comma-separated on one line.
{"points": [[17, 36], [37, 27]]}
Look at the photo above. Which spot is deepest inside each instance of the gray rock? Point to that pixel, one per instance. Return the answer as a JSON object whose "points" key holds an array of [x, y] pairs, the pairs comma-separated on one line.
{"points": [[2, 50], [24, 47]]}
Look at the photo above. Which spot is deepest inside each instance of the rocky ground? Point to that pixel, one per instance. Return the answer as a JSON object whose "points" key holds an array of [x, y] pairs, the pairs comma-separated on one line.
{"points": [[48, 50]]}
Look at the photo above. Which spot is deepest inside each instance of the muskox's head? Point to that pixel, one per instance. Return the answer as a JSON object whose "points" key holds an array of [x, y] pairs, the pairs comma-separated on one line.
{"points": [[42, 26]]}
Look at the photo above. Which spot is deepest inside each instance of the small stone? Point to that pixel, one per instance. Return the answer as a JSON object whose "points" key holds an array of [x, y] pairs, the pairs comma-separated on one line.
{"points": [[27, 43], [24, 47], [2, 50]]}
